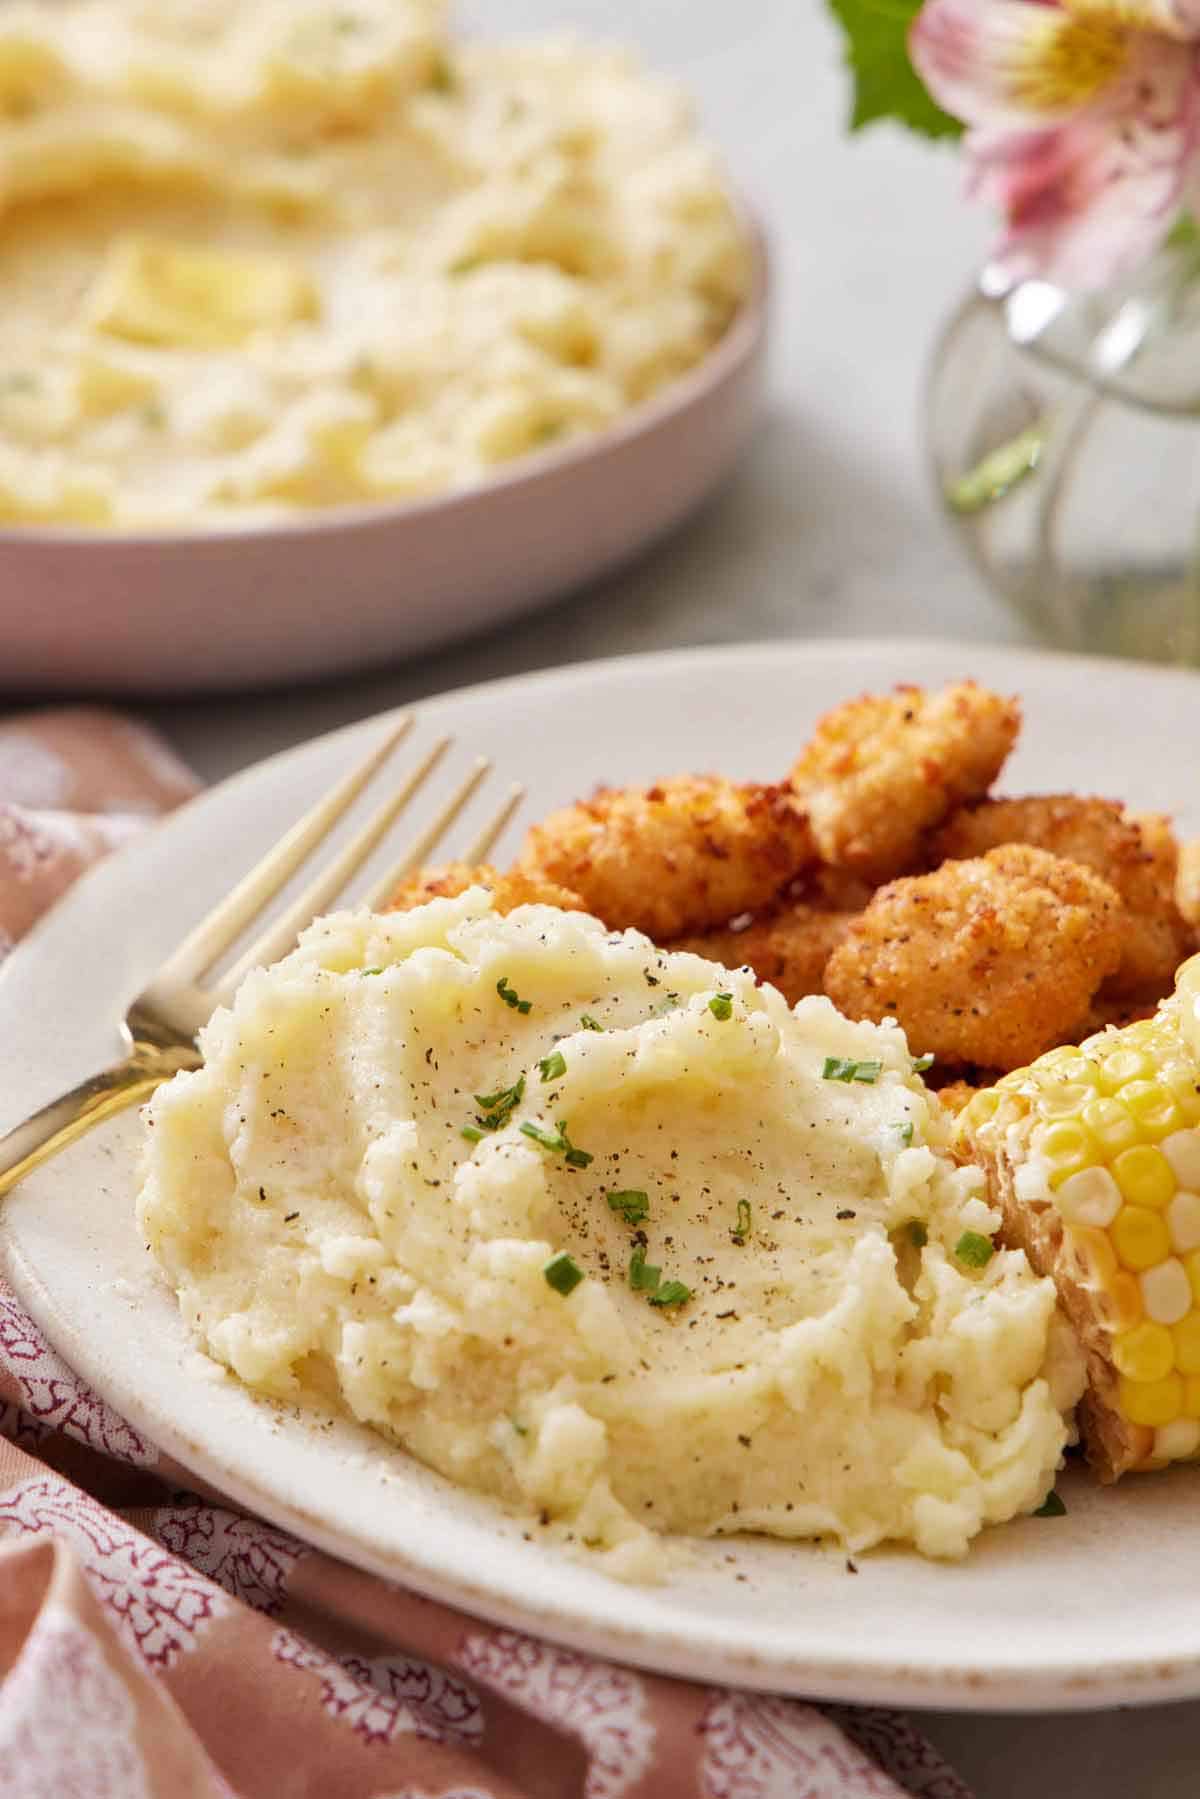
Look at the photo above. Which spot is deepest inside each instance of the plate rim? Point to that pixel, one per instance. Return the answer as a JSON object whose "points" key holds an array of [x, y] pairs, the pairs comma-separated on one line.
{"points": [[1141, 1679]]}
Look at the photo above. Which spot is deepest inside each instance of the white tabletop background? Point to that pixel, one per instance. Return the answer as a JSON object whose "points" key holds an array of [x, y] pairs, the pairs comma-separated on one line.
{"points": [[830, 529]]}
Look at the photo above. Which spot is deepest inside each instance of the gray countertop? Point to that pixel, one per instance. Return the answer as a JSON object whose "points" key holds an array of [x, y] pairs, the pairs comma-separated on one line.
{"points": [[829, 529]]}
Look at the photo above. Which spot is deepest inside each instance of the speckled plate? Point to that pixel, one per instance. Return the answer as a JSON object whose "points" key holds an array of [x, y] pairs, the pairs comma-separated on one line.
{"points": [[1094, 1609]]}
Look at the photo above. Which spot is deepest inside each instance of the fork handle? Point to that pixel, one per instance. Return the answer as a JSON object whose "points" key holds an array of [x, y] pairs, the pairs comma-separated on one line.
{"points": [[102, 1096]]}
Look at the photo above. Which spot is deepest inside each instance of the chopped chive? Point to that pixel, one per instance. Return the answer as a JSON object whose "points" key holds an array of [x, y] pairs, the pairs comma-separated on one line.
{"points": [[742, 1228], [904, 1131], [559, 1142], [921, 1063], [631, 1203], [844, 1068], [547, 1139], [471, 1134], [372, 971], [671, 1293], [562, 1273], [522, 1430], [721, 1006], [1051, 1507], [554, 1066], [578, 1158], [588, 1023], [918, 1236], [975, 1250], [511, 997], [496, 1108], [643, 1276]]}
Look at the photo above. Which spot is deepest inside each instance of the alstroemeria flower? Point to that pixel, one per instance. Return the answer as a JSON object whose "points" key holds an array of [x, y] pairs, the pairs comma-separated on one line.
{"points": [[1084, 120]]}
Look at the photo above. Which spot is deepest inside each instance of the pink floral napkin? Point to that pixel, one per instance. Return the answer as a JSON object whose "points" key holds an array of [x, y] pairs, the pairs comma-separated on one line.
{"points": [[156, 1643]]}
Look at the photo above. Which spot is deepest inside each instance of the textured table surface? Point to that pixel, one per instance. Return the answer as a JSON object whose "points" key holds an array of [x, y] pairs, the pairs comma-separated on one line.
{"points": [[829, 530]]}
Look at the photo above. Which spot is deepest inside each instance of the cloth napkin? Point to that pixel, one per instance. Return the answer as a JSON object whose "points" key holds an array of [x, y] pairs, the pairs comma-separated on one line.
{"points": [[158, 1643]]}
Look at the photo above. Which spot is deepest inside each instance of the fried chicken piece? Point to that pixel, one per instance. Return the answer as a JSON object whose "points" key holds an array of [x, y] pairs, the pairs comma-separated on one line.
{"points": [[1136, 856], [508, 890], [991, 961], [883, 771], [1106, 1011], [788, 949], [678, 858], [957, 1094], [1187, 882]]}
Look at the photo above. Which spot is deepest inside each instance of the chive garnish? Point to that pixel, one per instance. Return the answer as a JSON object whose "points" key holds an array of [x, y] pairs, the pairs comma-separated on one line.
{"points": [[844, 1068], [562, 1273], [975, 1250], [1051, 1507], [921, 1063], [372, 971], [495, 1110], [588, 1023], [471, 1134], [721, 1006], [643, 1276], [742, 1229], [631, 1203], [511, 997], [558, 1142], [904, 1131], [553, 1066], [671, 1293]]}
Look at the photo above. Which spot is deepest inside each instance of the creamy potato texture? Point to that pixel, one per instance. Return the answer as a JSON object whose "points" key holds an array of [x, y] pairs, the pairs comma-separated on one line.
{"points": [[822, 1359], [261, 258]]}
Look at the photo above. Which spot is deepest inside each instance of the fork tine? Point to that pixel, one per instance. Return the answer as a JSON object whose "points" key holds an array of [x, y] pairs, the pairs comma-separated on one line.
{"points": [[430, 837], [214, 934], [280, 936], [495, 827]]}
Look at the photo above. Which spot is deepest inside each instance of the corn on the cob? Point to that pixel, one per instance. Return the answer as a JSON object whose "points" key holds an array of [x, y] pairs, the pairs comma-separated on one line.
{"points": [[1094, 1155]]}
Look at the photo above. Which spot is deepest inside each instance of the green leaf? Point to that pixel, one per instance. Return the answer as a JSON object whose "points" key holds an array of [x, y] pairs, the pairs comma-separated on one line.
{"points": [[886, 86]]}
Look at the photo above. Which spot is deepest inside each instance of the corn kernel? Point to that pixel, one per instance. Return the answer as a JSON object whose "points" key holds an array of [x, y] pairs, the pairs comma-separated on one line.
{"points": [[1191, 1396], [1145, 1353], [1176, 1441], [1063, 1099], [981, 1108], [1186, 1338], [1095, 1253], [1182, 1150], [1065, 1145], [1111, 1124], [1151, 1402], [1140, 1238], [1122, 1065], [1166, 1292], [1182, 1080], [1183, 1222], [1121, 1301], [1152, 1106], [1089, 1197], [1192, 1264], [1144, 1176]]}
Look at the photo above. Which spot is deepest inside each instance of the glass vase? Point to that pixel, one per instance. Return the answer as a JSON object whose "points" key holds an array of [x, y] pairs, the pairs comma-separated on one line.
{"points": [[1064, 432]]}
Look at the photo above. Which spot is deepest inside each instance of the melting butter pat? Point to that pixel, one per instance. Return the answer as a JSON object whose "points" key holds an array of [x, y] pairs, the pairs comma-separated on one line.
{"points": [[159, 293]]}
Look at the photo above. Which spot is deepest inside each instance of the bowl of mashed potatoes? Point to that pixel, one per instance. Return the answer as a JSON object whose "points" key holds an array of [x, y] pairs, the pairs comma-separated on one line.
{"points": [[325, 335], [608, 1233]]}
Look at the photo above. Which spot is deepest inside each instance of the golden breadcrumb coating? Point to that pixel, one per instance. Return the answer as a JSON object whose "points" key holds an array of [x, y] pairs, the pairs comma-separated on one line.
{"points": [[989, 961], [957, 1094], [1115, 1010], [681, 857], [508, 890], [882, 772], [788, 948], [1136, 856], [1187, 882]]}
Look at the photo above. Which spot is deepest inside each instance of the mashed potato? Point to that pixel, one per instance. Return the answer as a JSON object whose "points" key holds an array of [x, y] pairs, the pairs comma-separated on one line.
{"points": [[261, 258], [697, 1263]]}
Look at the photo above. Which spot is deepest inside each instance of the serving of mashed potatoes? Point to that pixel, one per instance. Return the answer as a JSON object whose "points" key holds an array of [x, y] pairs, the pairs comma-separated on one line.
{"points": [[260, 259], [609, 1233]]}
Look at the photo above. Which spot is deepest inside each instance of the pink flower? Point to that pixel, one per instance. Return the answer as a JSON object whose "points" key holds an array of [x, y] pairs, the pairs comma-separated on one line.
{"points": [[1084, 123]]}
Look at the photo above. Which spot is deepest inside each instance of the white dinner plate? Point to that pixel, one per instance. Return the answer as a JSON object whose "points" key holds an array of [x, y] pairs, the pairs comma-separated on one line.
{"points": [[1092, 1609]]}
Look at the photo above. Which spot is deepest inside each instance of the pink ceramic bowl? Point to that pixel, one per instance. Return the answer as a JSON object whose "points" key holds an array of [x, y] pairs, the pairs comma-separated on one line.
{"points": [[348, 589]]}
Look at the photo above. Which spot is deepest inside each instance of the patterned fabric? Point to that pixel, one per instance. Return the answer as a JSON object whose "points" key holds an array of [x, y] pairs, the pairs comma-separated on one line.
{"points": [[158, 1644]]}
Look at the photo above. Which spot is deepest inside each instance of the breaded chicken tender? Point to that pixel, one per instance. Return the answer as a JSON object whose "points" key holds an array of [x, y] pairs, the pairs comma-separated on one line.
{"points": [[508, 890], [1136, 856], [991, 961], [957, 1094], [882, 772], [1187, 882], [681, 857], [788, 949]]}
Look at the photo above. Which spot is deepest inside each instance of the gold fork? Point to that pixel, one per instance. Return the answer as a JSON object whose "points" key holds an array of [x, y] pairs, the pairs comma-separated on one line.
{"points": [[159, 1029]]}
